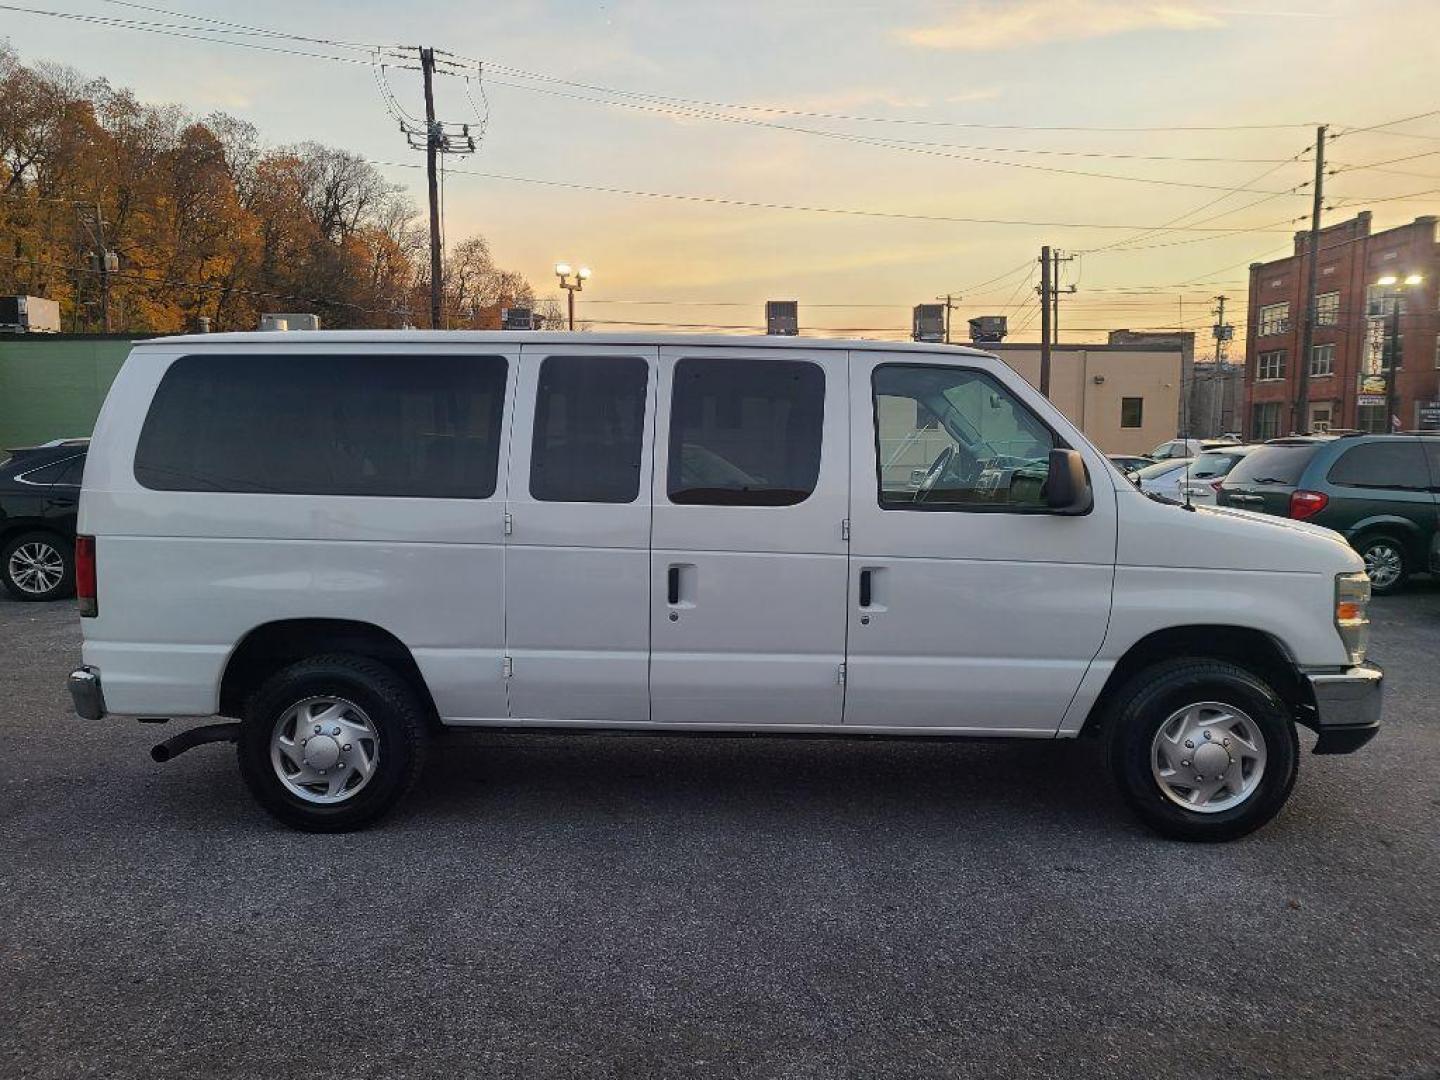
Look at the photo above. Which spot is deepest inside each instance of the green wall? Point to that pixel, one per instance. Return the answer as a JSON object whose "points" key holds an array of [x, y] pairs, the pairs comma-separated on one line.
{"points": [[52, 385]]}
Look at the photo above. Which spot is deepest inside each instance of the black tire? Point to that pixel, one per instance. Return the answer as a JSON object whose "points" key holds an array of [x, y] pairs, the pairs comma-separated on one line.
{"points": [[1157, 693], [393, 710], [1369, 546], [54, 543]]}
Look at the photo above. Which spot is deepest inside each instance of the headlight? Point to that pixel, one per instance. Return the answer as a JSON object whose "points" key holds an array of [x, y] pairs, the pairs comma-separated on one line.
{"points": [[1352, 598]]}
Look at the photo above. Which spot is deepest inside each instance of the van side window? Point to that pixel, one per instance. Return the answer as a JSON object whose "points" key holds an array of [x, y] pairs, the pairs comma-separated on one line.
{"points": [[420, 426], [955, 439], [1398, 464], [589, 429], [745, 432]]}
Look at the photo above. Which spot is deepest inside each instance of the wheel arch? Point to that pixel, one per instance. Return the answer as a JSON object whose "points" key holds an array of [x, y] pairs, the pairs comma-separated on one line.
{"points": [[1256, 651], [271, 646], [1402, 528]]}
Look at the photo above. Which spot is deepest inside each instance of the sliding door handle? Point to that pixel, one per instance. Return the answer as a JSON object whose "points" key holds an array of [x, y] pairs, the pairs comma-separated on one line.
{"points": [[673, 585], [866, 587]]}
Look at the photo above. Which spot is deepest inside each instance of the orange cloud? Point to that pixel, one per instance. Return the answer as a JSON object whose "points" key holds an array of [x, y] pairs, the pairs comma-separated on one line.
{"points": [[986, 25]]}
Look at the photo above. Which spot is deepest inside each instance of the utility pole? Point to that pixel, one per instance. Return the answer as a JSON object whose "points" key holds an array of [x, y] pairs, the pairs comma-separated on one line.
{"points": [[102, 261], [1218, 427], [949, 306], [1055, 292], [432, 147], [1045, 320], [1300, 419]]}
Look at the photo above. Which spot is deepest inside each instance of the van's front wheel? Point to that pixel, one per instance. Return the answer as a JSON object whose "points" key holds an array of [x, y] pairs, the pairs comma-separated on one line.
{"points": [[1202, 750], [331, 743]]}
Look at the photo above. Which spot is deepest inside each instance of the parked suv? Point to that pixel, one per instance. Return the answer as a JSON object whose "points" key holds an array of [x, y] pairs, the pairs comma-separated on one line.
{"points": [[39, 494], [348, 540], [1378, 491]]}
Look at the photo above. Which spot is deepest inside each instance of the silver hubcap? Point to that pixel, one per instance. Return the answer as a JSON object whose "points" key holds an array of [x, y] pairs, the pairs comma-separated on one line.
{"points": [[324, 749], [36, 567], [1208, 757], [1383, 563]]}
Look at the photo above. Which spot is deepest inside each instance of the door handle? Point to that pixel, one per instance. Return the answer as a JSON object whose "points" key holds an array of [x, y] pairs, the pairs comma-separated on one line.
{"points": [[866, 586], [673, 585]]}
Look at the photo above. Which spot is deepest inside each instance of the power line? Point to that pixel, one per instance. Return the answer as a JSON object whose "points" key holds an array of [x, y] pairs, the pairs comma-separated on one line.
{"points": [[764, 205]]}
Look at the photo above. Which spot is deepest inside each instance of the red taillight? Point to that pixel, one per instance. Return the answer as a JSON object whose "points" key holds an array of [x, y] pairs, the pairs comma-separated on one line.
{"points": [[1306, 504], [85, 576]]}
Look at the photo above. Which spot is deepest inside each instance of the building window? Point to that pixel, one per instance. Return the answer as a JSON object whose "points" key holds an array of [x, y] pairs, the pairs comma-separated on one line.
{"points": [[1381, 299], [1265, 421], [1370, 418], [1322, 361], [1274, 319], [1132, 412], [1327, 309], [1320, 419], [1270, 366]]}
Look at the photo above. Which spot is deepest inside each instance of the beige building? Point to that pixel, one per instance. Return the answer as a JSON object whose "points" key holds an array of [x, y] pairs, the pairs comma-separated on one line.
{"points": [[1124, 397]]}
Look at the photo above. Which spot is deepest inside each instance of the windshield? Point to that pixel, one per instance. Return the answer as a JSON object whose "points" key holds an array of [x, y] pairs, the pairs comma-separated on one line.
{"points": [[1211, 465], [1275, 463]]}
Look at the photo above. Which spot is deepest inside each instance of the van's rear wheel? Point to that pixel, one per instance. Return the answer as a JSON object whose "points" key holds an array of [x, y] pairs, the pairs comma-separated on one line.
{"points": [[1202, 750], [332, 743]]}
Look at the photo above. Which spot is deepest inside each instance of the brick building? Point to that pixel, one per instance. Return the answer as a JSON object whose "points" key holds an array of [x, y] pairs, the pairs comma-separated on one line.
{"points": [[1348, 302]]}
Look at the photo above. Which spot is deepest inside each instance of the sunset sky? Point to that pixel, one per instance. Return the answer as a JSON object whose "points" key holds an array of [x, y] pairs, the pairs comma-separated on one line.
{"points": [[954, 92]]}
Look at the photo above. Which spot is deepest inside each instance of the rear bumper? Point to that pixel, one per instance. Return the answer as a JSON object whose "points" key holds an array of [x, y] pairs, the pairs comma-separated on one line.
{"points": [[85, 692], [1347, 707]]}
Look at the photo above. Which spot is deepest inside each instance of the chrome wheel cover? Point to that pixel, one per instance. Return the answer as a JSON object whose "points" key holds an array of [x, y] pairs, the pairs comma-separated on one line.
{"points": [[1208, 757], [324, 749], [36, 567], [1384, 563]]}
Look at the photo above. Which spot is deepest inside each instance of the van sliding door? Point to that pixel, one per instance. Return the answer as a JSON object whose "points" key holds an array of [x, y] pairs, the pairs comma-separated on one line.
{"points": [[748, 567]]}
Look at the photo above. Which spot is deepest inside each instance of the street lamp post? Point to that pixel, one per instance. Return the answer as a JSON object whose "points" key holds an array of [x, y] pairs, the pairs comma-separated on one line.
{"points": [[1395, 293], [572, 281]]}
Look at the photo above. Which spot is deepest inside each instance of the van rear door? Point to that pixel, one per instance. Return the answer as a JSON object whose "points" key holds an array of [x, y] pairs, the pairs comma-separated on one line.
{"points": [[748, 568]]}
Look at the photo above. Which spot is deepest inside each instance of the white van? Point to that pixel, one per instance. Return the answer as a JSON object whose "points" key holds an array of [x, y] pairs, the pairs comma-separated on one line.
{"points": [[349, 540]]}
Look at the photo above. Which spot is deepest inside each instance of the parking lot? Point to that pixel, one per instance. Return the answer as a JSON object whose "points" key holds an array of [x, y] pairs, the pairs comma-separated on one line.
{"points": [[618, 907]]}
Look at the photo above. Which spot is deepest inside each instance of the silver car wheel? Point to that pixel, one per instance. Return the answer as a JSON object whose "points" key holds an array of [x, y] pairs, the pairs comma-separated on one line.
{"points": [[324, 749], [36, 567], [1208, 757], [1384, 563]]}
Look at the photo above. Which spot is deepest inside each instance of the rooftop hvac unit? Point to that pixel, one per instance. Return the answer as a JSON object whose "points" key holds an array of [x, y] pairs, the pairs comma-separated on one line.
{"points": [[782, 317], [988, 329], [517, 318], [29, 315], [289, 321], [928, 322]]}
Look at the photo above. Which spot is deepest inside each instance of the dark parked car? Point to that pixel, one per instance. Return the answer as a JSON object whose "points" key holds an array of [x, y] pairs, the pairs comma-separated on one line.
{"points": [[1380, 491], [39, 496]]}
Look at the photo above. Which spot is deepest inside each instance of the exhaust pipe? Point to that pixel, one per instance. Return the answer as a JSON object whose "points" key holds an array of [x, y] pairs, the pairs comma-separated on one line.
{"points": [[188, 740]]}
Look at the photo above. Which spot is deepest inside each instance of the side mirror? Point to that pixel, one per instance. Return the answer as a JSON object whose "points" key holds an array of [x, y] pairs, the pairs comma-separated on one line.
{"points": [[1067, 487]]}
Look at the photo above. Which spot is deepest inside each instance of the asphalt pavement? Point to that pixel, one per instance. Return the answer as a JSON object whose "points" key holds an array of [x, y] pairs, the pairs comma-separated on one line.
{"points": [[612, 907]]}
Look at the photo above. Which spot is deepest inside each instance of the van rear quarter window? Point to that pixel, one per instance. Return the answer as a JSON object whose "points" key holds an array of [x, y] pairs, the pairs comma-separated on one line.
{"points": [[745, 432], [415, 426]]}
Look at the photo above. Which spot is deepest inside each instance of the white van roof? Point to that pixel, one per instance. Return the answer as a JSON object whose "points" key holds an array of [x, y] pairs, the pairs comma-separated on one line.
{"points": [[548, 337]]}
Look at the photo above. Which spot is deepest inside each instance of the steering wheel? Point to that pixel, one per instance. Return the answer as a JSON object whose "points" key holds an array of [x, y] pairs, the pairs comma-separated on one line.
{"points": [[936, 470]]}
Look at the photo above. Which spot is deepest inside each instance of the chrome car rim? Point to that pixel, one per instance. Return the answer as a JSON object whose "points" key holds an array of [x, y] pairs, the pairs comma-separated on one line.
{"points": [[324, 749], [1208, 757], [36, 567], [1383, 563]]}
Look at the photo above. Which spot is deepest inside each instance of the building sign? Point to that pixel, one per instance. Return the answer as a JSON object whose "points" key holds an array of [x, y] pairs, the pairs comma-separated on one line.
{"points": [[1372, 360], [1427, 415]]}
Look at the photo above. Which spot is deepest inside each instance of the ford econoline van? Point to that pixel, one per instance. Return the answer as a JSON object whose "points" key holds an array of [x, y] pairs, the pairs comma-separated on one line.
{"points": [[345, 542]]}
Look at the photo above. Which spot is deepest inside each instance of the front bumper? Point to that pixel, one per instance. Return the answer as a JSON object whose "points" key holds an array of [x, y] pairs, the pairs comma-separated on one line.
{"points": [[1347, 707], [86, 693]]}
